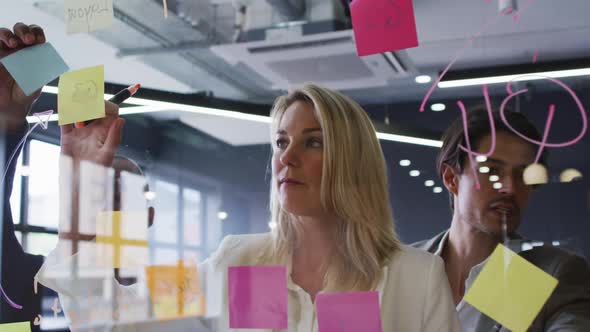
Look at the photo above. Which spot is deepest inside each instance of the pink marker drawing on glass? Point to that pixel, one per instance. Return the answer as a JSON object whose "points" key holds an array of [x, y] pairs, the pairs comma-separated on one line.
{"points": [[511, 94], [543, 144], [457, 55]]}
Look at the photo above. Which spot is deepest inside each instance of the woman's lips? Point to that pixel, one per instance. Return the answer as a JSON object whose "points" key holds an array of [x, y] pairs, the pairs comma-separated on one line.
{"points": [[290, 181]]}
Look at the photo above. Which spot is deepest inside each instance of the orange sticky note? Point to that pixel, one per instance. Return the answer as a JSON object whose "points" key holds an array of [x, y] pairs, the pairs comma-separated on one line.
{"points": [[175, 291], [510, 290]]}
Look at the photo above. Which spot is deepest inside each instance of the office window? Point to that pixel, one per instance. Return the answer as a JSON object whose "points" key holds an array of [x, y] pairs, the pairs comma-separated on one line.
{"points": [[179, 210], [178, 230], [15, 198], [166, 206], [43, 186], [192, 217], [40, 243], [36, 180]]}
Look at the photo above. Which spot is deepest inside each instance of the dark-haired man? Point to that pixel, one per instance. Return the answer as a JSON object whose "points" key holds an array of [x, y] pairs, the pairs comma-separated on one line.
{"points": [[18, 268], [478, 219]]}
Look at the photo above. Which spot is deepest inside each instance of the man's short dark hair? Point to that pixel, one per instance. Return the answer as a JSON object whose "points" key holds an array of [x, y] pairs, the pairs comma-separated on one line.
{"points": [[478, 125]]}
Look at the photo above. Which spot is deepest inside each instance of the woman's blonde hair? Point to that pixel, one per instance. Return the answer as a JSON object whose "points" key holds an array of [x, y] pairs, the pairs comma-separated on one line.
{"points": [[353, 187]]}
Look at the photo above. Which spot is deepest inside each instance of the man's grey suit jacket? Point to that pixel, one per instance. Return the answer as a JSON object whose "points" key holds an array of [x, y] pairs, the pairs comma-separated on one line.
{"points": [[568, 307]]}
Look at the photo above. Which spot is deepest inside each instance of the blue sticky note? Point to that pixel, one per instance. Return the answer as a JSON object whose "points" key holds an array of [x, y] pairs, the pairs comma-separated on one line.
{"points": [[35, 66]]}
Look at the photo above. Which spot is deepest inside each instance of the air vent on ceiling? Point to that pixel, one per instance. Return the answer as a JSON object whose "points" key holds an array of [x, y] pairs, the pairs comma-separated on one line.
{"points": [[329, 59]]}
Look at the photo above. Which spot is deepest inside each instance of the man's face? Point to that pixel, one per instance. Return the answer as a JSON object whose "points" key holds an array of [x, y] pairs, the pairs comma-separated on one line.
{"points": [[485, 208]]}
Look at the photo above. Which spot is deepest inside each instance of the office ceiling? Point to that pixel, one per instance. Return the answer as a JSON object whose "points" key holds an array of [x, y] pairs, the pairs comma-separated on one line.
{"points": [[197, 48]]}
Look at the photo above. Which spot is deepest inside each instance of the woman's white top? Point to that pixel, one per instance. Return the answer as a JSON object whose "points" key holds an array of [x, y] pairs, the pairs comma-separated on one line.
{"points": [[414, 293]]}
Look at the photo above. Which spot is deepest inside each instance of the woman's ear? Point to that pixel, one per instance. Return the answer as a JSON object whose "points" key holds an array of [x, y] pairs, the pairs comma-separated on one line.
{"points": [[450, 177]]}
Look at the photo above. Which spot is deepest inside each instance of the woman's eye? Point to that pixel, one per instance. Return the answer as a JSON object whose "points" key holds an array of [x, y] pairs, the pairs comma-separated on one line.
{"points": [[281, 143], [314, 143]]}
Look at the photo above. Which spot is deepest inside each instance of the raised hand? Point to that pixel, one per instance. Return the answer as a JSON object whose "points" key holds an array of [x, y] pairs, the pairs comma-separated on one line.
{"points": [[97, 142], [14, 104]]}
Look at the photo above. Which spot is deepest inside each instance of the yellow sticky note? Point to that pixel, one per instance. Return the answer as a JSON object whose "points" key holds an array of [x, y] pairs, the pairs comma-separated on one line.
{"points": [[81, 95], [175, 290], [88, 15], [510, 290], [16, 327], [121, 239]]}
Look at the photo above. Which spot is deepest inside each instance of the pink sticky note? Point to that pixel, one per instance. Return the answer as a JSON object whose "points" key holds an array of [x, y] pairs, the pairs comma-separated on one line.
{"points": [[258, 297], [383, 25], [349, 312]]}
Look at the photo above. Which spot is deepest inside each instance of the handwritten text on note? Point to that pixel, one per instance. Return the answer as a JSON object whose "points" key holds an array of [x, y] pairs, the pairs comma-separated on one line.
{"points": [[88, 15], [175, 290], [81, 95]]}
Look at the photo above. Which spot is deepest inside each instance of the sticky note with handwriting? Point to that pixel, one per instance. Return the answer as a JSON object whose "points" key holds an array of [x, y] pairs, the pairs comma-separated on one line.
{"points": [[510, 289], [258, 297], [16, 327], [81, 95], [175, 290], [383, 25], [348, 312], [35, 66], [88, 15]]}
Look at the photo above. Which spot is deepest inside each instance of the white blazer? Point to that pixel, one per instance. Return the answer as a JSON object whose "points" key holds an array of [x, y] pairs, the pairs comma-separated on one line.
{"points": [[414, 293]]}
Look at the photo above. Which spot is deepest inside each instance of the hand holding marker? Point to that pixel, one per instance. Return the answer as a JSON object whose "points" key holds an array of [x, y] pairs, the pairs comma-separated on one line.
{"points": [[118, 99]]}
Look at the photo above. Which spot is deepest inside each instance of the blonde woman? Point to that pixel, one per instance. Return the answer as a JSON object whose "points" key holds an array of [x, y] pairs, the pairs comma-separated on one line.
{"points": [[334, 230]]}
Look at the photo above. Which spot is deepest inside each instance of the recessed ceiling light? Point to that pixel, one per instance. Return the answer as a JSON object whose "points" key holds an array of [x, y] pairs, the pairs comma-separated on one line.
{"points": [[535, 174], [437, 190], [429, 183], [272, 225], [438, 107], [569, 175], [222, 215], [149, 195], [484, 169], [414, 173], [405, 162], [494, 178], [481, 159], [497, 185], [423, 79]]}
